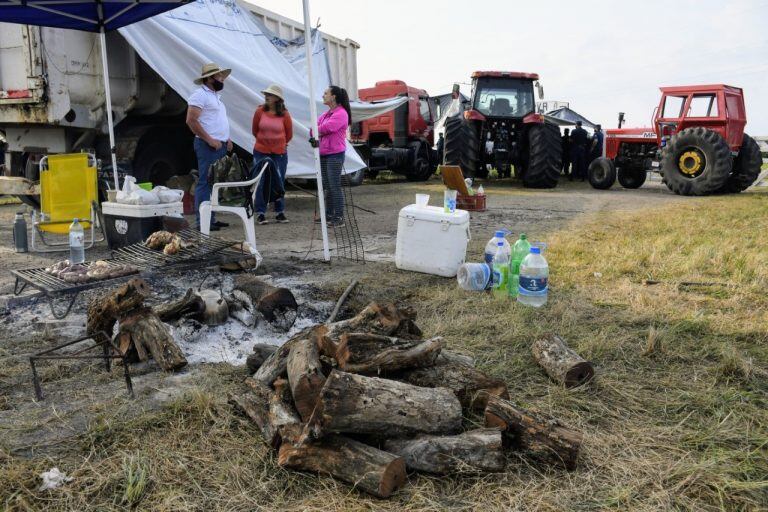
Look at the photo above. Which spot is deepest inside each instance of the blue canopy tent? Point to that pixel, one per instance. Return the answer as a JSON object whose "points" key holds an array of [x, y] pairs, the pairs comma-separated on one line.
{"points": [[98, 16]]}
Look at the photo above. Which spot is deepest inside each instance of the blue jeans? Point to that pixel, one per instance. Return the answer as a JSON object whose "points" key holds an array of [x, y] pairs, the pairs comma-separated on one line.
{"points": [[206, 156], [282, 168], [330, 168]]}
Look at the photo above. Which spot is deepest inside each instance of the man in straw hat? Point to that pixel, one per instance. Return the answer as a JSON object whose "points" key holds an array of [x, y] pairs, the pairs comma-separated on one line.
{"points": [[207, 118]]}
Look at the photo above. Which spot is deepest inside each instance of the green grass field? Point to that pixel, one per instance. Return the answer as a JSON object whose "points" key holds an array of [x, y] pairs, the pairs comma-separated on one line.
{"points": [[676, 419]]}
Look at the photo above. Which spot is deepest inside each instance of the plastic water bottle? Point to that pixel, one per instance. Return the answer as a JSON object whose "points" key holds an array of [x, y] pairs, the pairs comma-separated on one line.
{"points": [[76, 245], [520, 250], [474, 277], [490, 247], [500, 265], [480, 191], [534, 277]]}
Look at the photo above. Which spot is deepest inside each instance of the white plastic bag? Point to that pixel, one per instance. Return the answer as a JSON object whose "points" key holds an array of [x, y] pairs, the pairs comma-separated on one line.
{"points": [[133, 194], [168, 195]]}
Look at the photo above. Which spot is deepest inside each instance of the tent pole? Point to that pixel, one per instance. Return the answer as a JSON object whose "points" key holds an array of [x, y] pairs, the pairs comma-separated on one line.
{"points": [[314, 130], [108, 105]]}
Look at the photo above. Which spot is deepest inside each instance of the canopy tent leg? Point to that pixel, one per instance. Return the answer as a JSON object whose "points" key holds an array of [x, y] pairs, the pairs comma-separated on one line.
{"points": [[108, 105], [314, 130]]}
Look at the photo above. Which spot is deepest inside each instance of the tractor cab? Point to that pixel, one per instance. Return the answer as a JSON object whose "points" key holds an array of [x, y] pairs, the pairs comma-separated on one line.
{"points": [[719, 108], [503, 95]]}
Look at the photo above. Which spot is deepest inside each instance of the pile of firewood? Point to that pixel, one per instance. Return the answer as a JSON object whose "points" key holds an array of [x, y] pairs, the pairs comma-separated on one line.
{"points": [[368, 399]]}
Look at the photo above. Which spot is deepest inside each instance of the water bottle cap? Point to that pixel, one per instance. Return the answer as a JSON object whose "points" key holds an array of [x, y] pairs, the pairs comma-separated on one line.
{"points": [[535, 250], [499, 234]]}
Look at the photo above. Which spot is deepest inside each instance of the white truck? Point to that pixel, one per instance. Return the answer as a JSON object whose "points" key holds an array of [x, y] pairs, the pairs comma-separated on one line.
{"points": [[52, 100]]}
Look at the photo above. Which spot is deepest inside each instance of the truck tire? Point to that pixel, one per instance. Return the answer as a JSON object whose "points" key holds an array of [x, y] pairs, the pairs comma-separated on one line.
{"points": [[696, 162], [22, 162], [746, 167], [354, 179], [462, 147], [632, 177], [420, 169], [157, 162], [544, 156], [602, 173]]}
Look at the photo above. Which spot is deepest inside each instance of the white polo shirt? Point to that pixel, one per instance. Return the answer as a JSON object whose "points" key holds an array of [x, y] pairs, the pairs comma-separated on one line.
{"points": [[213, 117]]}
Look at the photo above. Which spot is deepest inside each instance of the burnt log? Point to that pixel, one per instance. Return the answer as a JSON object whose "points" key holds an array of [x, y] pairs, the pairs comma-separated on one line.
{"points": [[350, 403], [386, 319], [276, 365], [470, 385], [191, 305], [103, 311], [542, 438], [358, 347], [476, 450], [391, 359], [367, 468], [305, 375], [562, 363], [143, 330], [271, 411], [261, 351], [277, 305]]}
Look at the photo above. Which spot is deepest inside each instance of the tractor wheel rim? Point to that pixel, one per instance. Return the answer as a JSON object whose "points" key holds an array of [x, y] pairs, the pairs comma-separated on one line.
{"points": [[691, 163]]}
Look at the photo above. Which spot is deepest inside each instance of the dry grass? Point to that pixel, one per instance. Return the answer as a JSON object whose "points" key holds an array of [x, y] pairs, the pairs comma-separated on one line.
{"points": [[677, 417]]}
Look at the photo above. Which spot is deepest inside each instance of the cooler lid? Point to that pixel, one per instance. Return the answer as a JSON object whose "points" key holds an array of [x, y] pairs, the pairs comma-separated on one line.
{"points": [[434, 214], [141, 210]]}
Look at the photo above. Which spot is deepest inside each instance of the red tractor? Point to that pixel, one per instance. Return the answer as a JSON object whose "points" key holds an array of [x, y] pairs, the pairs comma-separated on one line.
{"points": [[400, 140], [501, 129], [697, 142]]}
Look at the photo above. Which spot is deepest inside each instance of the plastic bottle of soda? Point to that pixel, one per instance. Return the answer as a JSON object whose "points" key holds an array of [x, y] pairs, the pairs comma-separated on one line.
{"points": [[76, 245], [534, 279], [520, 250], [500, 266]]}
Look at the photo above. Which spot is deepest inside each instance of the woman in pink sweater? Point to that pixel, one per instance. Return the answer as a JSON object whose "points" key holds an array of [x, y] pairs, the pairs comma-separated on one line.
{"points": [[273, 129], [332, 126]]}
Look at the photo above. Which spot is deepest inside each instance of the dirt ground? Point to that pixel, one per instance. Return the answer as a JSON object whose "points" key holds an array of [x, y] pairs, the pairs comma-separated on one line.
{"points": [[80, 397]]}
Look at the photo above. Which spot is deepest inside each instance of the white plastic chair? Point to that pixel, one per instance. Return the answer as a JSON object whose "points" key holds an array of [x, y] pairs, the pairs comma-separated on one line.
{"points": [[208, 207]]}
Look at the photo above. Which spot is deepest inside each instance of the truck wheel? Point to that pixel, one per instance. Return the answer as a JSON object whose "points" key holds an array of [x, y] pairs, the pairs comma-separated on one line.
{"points": [[746, 167], [696, 162], [157, 162], [602, 173], [354, 179], [544, 156], [462, 147], [420, 169], [634, 177]]}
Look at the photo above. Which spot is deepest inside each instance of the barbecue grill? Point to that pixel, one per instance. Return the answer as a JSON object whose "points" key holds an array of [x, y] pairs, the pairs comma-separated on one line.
{"points": [[198, 251]]}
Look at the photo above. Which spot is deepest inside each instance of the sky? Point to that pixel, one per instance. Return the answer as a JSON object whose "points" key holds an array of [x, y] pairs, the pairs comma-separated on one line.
{"points": [[602, 57]]}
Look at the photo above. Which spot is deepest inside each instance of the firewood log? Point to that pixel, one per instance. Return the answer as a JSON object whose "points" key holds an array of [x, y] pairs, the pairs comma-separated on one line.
{"points": [[270, 410], [276, 365], [261, 351], [357, 404], [542, 438], [367, 468], [191, 305], [148, 333], [447, 356], [470, 385], [479, 450], [103, 311], [562, 363], [358, 347], [386, 319], [277, 305], [305, 375], [396, 359]]}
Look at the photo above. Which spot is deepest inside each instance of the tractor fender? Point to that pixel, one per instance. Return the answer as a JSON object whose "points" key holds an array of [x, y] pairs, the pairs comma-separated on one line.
{"points": [[533, 118], [473, 115]]}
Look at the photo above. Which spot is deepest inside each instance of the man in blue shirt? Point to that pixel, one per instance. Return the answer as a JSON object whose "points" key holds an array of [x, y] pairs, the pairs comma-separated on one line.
{"points": [[597, 143], [579, 142]]}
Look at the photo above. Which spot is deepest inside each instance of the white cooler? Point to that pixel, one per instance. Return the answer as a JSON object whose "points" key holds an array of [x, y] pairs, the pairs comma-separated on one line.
{"points": [[431, 241], [127, 224]]}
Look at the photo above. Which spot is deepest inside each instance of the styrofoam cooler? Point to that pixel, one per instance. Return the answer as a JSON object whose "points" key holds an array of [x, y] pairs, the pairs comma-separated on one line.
{"points": [[431, 241]]}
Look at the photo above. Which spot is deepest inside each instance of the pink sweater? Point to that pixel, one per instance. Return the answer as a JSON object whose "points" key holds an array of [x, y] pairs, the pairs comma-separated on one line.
{"points": [[333, 131]]}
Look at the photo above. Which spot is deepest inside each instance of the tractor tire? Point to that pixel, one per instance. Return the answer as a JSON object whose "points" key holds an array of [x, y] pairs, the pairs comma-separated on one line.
{"points": [[462, 147], [705, 159], [634, 177], [746, 167], [544, 157], [602, 173]]}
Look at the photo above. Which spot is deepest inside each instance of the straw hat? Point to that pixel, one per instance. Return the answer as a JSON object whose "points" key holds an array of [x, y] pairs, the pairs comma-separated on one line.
{"points": [[211, 69], [274, 90]]}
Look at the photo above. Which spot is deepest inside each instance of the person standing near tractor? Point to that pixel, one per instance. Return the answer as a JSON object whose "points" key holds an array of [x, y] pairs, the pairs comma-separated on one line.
{"points": [[566, 151], [207, 118], [579, 141], [596, 149]]}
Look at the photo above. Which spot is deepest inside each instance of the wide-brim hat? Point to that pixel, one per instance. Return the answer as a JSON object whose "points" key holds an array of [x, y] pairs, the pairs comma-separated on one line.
{"points": [[211, 69], [274, 90]]}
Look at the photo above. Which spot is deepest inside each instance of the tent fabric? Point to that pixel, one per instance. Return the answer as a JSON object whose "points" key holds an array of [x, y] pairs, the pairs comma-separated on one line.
{"points": [[82, 15], [176, 43], [566, 117]]}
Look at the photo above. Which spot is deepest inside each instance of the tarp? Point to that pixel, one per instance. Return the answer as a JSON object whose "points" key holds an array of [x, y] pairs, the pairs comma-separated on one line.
{"points": [[177, 43], [84, 15], [566, 117]]}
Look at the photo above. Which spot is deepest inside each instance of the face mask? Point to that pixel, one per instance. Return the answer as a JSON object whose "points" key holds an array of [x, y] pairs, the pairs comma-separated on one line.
{"points": [[217, 85]]}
